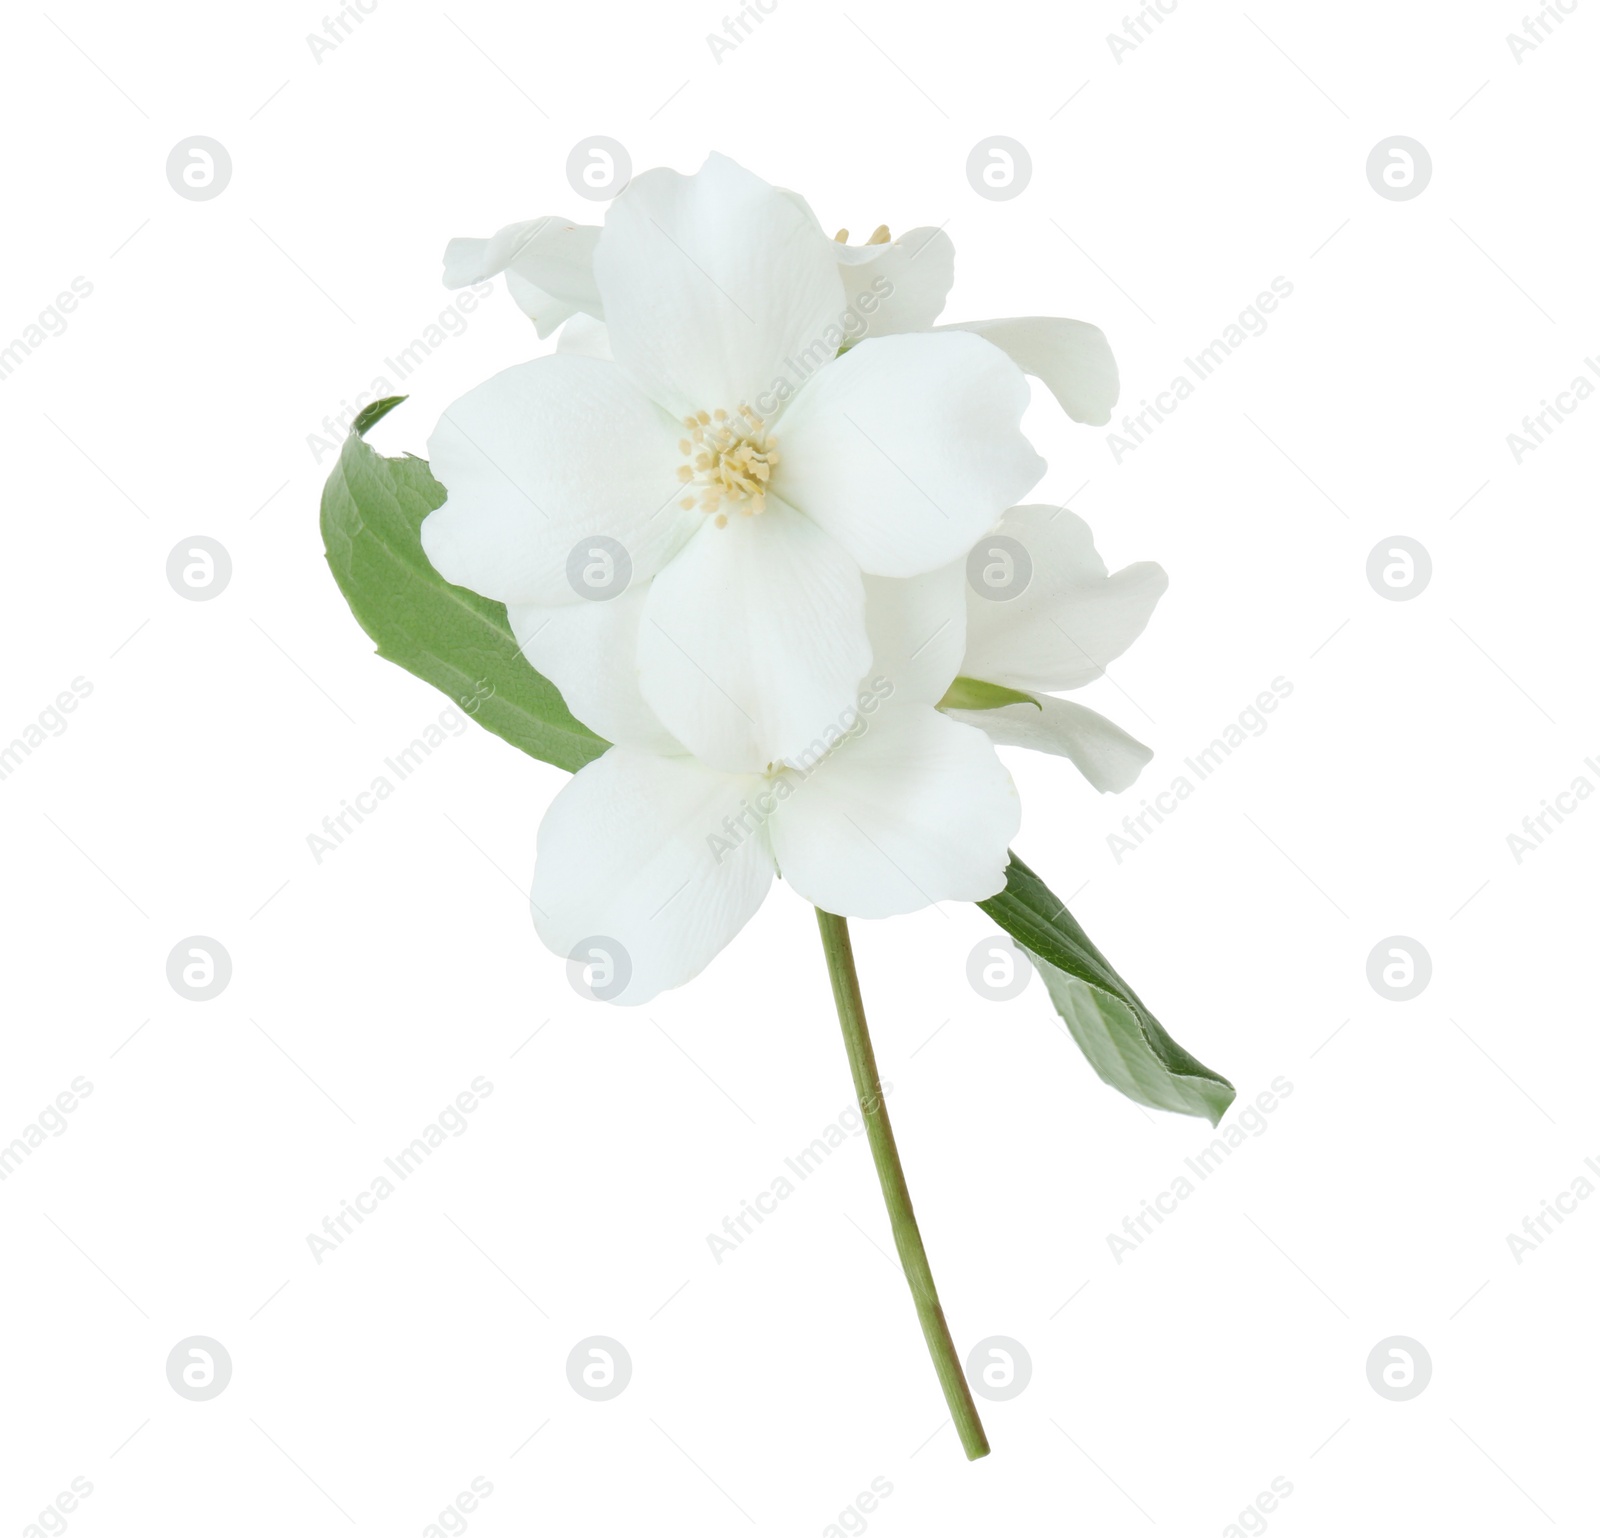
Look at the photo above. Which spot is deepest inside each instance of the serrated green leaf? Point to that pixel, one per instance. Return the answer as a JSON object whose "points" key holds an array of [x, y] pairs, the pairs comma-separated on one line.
{"points": [[976, 694], [1123, 1041], [372, 512]]}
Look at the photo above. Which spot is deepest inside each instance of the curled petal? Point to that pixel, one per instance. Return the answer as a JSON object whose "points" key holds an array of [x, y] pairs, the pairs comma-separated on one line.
{"points": [[548, 262], [900, 285], [1070, 357], [1106, 756], [1070, 619]]}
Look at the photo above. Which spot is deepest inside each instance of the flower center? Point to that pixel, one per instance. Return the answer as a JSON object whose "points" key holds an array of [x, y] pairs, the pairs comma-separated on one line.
{"points": [[727, 463]]}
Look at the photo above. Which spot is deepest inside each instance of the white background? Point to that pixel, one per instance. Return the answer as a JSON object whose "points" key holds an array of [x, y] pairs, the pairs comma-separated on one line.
{"points": [[367, 991]]}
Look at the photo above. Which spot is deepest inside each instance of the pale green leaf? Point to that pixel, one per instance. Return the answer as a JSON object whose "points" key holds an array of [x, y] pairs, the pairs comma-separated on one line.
{"points": [[1123, 1041], [372, 512]]}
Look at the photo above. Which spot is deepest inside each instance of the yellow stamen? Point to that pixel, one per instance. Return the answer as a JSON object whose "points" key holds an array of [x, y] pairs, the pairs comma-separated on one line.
{"points": [[729, 461]]}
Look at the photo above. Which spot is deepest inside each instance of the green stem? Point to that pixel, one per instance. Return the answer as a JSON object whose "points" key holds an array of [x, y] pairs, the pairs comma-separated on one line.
{"points": [[896, 1194]]}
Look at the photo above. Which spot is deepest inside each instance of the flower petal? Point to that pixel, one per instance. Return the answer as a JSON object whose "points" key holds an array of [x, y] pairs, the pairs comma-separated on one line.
{"points": [[540, 457], [915, 810], [918, 629], [628, 852], [711, 284], [907, 449], [549, 264], [544, 310], [906, 305], [912, 297], [585, 335], [900, 285], [1071, 357], [590, 652], [1070, 620], [754, 639], [1106, 756]]}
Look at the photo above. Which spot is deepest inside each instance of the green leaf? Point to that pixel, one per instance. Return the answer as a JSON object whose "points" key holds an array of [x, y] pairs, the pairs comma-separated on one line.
{"points": [[1123, 1041], [975, 694], [372, 512]]}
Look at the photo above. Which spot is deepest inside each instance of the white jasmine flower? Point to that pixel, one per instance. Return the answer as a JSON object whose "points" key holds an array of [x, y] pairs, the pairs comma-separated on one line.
{"points": [[1070, 620], [891, 807], [750, 472], [891, 284], [752, 518]]}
